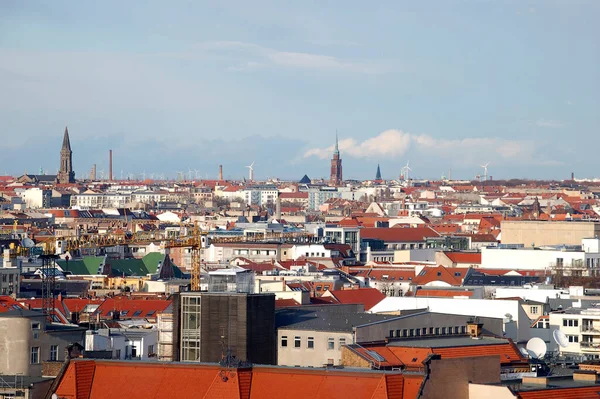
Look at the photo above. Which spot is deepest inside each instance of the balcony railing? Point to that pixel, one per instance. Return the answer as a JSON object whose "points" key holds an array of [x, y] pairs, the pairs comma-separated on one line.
{"points": [[589, 330], [590, 346]]}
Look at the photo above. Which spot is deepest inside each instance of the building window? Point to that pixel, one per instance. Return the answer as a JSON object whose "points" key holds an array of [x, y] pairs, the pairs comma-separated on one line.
{"points": [[405, 333], [342, 342], [35, 355], [391, 335], [533, 309], [418, 332], [331, 343], [150, 350], [284, 341], [297, 342], [463, 329], [424, 332], [311, 343], [437, 331], [570, 323], [573, 338], [456, 330], [412, 332], [53, 353], [430, 330]]}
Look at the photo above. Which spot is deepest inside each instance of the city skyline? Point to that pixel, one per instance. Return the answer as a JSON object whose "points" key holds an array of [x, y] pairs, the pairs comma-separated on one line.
{"points": [[453, 87]]}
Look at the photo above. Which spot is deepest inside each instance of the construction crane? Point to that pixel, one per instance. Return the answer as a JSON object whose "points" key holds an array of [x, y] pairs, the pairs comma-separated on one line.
{"points": [[49, 252]]}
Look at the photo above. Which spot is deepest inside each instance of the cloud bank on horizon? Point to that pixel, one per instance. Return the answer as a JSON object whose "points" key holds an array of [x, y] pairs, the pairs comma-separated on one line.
{"points": [[394, 143]]}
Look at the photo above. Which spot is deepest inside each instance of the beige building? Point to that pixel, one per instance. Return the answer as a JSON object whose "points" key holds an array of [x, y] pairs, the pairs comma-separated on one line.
{"points": [[540, 233], [27, 341]]}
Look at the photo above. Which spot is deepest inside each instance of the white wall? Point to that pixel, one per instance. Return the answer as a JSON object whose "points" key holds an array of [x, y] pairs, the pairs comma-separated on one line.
{"points": [[531, 294], [466, 307], [525, 259]]}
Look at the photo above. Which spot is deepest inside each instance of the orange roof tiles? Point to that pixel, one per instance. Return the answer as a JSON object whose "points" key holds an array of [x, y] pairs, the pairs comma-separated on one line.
{"points": [[145, 307], [453, 276], [107, 379], [7, 304], [590, 392], [464, 257], [369, 297]]}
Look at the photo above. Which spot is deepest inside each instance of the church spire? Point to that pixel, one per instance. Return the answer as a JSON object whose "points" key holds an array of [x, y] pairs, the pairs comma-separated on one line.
{"points": [[66, 142], [378, 174], [336, 151]]}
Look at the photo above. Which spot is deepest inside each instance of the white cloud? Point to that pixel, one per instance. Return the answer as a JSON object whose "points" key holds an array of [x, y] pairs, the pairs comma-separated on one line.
{"points": [[251, 54], [396, 143], [548, 123]]}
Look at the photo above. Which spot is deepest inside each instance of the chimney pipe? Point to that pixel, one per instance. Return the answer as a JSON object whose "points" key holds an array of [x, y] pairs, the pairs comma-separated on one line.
{"points": [[110, 175], [278, 208], [220, 172]]}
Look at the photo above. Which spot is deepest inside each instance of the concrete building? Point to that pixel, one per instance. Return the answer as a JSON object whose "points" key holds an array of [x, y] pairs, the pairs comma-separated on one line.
{"points": [[36, 198], [9, 275], [516, 322], [582, 328], [540, 233], [576, 260], [125, 343], [27, 341], [314, 336], [210, 326]]}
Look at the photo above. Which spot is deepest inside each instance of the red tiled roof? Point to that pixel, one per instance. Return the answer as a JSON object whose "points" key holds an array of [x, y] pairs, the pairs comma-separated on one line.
{"points": [[369, 297], [119, 379], [146, 307], [589, 392], [284, 196], [464, 257], [415, 234], [453, 275], [7, 304], [284, 303]]}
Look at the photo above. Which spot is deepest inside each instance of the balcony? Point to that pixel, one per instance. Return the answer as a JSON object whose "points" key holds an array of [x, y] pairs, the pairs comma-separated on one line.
{"points": [[590, 346], [590, 330]]}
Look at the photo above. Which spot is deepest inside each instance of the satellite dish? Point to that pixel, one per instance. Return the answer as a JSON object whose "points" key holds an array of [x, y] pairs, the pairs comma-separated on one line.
{"points": [[560, 338], [536, 347], [524, 352], [27, 243]]}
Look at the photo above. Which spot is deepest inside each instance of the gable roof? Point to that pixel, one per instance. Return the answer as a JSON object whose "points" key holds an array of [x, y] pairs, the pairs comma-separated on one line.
{"points": [[369, 297], [96, 379]]}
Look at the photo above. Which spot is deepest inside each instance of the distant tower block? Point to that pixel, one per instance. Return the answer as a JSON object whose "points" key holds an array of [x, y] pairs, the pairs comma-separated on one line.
{"points": [[220, 172], [335, 177], [93, 173], [110, 165], [65, 172]]}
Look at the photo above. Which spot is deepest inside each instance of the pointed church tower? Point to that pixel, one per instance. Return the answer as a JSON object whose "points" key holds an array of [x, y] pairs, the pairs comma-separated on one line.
{"points": [[378, 174], [335, 177], [65, 172]]}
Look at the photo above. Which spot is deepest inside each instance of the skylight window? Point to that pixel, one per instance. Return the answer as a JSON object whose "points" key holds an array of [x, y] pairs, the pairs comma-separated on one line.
{"points": [[137, 313], [150, 313]]}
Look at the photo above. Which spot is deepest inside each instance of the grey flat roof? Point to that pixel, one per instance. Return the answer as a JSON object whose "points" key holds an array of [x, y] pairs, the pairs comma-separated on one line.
{"points": [[445, 342], [322, 320]]}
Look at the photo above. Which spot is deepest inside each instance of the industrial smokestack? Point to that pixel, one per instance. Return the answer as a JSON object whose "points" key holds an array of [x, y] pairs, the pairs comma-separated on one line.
{"points": [[572, 176], [110, 175], [278, 208], [220, 172]]}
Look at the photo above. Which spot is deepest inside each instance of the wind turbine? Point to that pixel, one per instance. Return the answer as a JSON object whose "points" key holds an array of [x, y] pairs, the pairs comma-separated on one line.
{"points": [[485, 171], [405, 171], [251, 171]]}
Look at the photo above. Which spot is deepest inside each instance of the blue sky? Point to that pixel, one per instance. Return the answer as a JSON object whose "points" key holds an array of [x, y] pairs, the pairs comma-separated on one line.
{"points": [[171, 86]]}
